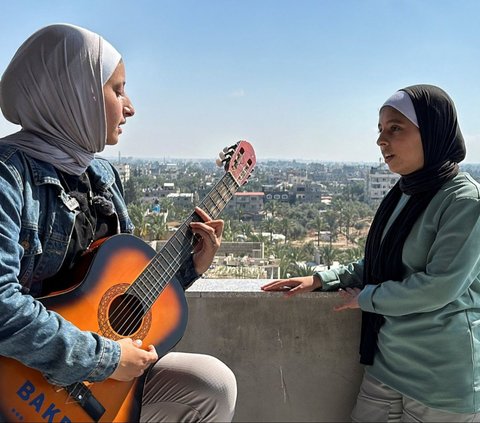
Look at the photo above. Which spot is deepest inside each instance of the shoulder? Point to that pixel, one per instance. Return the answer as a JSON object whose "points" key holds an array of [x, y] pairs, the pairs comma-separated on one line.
{"points": [[463, 186], [101, 165], [12, 156], [459, 198], [103, 172], [14, 161]]}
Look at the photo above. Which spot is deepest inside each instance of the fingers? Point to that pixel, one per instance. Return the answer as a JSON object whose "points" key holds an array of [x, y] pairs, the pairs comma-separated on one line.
{"points": [[209, 230], [150, 349], [217, 225], [295, 290], [350, 297], [134, 360], [291, 287], [278, 285], [209, 233], [205, 217]]}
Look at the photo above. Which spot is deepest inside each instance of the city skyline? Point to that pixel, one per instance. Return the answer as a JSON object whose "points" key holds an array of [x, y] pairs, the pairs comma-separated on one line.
{"points": [[299, 79]]}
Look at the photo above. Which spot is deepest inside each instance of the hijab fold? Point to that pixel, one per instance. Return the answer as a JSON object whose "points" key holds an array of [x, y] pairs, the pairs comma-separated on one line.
{"points": [[53, 88], [444, 148]]}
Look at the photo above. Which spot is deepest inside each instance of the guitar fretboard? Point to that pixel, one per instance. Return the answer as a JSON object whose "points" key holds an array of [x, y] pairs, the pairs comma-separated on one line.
{"points": [[151, 282]]}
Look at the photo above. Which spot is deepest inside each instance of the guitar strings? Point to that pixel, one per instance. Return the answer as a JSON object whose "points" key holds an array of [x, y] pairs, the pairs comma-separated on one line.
{"points": [[186, 248]]}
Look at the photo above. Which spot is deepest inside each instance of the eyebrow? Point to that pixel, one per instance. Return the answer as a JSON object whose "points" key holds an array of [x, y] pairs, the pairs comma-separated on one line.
{"points": [[393, 120]]}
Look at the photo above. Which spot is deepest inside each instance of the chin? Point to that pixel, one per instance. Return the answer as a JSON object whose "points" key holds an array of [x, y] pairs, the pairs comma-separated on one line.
{"points": [[112, 142]]}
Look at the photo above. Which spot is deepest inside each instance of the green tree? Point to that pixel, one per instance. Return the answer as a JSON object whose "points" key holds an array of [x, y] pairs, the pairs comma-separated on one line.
{"points": [[272, 207], [317, 225], [331, 220], [329, 254], [157, 227], [270, 225], [137, 215], [130, 191]]}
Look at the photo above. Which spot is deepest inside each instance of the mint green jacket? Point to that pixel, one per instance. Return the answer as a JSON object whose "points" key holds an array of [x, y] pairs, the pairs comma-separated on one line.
{"points": [[429, 346]]}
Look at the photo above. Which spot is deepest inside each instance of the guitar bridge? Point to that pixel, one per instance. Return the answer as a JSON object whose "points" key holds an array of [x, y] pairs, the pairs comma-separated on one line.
{"points": [[82, 395]]}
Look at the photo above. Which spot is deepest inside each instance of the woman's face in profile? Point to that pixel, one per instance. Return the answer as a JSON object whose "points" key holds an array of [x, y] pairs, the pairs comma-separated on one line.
{"points": [[117, 104], [400, 142]]}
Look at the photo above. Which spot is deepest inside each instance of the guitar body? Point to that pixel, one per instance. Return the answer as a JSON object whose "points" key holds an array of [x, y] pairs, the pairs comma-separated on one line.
{"points": [[96, 304]]}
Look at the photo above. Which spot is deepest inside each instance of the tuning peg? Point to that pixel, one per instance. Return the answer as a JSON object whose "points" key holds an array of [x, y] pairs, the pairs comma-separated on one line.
{"points": [[219, 162]]}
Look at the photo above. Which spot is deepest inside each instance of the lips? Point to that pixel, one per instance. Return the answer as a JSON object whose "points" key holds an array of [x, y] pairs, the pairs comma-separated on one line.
{"points": [[388, 157]]}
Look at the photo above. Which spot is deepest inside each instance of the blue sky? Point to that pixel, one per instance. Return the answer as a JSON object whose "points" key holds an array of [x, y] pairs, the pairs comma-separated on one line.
{"points": [[299, 79]]}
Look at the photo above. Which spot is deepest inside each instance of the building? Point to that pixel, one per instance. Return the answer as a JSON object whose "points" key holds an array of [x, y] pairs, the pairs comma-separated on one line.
{"points": [[185, 199], [123, 170], [249, 203], [380, 181], [282, 196]]}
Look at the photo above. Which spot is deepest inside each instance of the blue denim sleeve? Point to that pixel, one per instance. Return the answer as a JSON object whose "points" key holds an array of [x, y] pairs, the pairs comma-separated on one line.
{"points": [[29, 333]]}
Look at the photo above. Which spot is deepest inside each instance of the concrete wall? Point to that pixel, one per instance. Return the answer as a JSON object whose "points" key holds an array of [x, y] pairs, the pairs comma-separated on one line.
{"points": [[295, 359]]}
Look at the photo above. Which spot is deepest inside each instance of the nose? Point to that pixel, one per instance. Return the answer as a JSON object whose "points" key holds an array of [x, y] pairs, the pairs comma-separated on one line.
{"points": [[381, 139], [128, 109]]}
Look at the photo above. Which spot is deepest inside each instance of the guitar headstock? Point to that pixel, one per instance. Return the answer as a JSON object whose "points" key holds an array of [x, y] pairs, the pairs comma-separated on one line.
{"points": [[238, 159]]}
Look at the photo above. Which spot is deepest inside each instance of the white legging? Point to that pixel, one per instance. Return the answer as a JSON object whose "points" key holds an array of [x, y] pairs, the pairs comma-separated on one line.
{"points": [[186, 387]]}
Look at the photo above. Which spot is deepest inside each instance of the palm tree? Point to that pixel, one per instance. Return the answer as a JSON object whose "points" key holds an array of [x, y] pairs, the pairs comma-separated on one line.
{"points": [[329, 254], [131, 191], [331, 222], [158, 227], [137, 215], [285, 228], [282, 254], [351, 254], [303, 269], [228, 233], [270, 225], [272, 207], [317, 224], [349, 212]]}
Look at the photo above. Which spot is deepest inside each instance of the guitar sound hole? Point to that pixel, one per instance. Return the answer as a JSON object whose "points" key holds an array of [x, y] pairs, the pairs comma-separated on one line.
{"points": [[125, 314]]}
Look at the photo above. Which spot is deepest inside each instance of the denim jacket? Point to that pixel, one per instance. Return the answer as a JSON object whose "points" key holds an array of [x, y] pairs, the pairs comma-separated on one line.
{"points": [[36, 222]]}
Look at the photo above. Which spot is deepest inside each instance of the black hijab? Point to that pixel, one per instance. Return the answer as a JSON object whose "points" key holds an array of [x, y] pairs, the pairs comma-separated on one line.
{"points": [[443, 148]]}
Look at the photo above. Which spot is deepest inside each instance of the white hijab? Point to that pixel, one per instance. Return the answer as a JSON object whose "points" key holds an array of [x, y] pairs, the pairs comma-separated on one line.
{"points": [[53, 88]]}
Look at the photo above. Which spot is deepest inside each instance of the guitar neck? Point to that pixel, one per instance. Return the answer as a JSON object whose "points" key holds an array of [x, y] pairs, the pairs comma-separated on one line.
{"points": [[177, 249]]}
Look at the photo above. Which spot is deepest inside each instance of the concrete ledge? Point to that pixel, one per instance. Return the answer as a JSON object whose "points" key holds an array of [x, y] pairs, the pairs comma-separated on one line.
{"points": [[295, 359]]}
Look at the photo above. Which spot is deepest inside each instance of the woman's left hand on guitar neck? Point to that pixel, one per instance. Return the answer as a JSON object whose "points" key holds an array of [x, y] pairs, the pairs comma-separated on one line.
{"points": [[211, 233]]}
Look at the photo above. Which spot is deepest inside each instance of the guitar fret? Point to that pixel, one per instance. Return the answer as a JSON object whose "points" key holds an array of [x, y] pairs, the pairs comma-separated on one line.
{"points": [[174, 247], [136, 288], [218, 209], [208, 208]]}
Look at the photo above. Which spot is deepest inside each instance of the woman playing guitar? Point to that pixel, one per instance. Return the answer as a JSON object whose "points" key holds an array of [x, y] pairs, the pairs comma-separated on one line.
{"points": [[85, 346]]}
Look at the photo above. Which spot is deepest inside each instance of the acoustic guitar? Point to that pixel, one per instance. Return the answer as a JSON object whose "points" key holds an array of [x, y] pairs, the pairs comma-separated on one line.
{"points": [[122, 289]]}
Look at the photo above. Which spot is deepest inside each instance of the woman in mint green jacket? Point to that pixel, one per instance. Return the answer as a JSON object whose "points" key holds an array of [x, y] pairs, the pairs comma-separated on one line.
{"points": [[418, 285]]}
